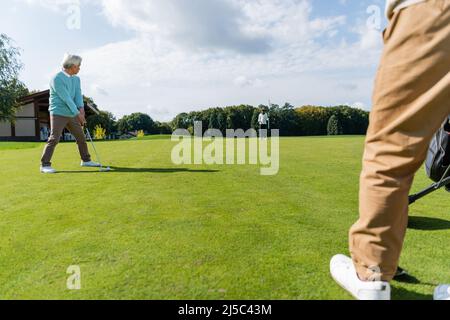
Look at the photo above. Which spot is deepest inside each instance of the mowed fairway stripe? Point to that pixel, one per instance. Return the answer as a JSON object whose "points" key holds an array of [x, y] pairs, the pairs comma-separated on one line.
{"points": [[153, 230]]}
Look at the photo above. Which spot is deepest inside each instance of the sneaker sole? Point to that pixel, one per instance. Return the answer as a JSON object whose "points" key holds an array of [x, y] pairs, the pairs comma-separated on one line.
{"points": [[348, 291], [343, 287]]}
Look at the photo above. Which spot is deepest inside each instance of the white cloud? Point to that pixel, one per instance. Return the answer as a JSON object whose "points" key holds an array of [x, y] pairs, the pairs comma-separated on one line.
{"points": [[157, 111], [370, 38], [98, 90], [54, 5], [359, 105], [243, 81], [194, 23], [175, 42], [191, 54]]}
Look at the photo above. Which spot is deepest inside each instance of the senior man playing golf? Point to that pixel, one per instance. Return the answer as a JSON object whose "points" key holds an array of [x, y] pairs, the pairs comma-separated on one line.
{"points": [[411, 100], [66, 110]]}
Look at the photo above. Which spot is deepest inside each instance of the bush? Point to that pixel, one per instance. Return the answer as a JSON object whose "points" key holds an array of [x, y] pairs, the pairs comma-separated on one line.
{"points": [[99, 133], [140, 134]]}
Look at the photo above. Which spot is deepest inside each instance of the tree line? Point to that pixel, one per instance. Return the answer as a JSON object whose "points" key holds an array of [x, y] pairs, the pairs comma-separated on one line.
{"points": [[291, 121]]}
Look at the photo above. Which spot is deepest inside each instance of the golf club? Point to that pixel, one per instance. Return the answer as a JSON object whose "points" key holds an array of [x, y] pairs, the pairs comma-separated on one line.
{"points": [[102, 169]]}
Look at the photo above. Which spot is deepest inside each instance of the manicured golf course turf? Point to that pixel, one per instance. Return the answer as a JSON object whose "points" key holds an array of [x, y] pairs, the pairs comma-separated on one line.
{"points": [[153, 230]]}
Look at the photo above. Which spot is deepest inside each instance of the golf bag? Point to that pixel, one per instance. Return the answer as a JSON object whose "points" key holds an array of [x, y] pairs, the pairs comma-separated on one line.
{"points": [[437, 164], [438, 159]]}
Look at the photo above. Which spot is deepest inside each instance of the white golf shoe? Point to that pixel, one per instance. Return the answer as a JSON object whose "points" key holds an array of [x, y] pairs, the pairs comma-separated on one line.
{"points": [[344, 273], [48, 170], [442, 293], [90, 164]]}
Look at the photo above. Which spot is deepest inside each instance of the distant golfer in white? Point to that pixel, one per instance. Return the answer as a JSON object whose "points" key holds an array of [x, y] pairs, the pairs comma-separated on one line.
{"points": [[263, 121]]}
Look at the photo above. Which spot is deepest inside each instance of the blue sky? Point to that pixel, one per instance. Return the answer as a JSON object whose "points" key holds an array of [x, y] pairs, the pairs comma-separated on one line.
{"points": [[163, 57]]}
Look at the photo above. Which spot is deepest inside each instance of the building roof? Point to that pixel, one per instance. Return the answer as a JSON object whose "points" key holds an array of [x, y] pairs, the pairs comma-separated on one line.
{"points": [[35, 96], [43, 97]]}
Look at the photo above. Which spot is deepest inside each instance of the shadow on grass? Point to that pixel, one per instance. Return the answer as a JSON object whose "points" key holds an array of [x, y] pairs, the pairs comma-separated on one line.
{"points": [[403, 294], [413, 280], [428, 224], [407, 278], [146, 170], [159, 170]]}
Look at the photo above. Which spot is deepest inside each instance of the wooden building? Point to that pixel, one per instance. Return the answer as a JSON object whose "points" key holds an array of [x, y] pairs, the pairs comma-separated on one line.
{"points": [[32, 120], [31, 117]]}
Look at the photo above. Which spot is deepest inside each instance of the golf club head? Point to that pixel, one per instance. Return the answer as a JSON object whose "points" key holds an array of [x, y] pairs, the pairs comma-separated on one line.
{"points": [[107, 169]]}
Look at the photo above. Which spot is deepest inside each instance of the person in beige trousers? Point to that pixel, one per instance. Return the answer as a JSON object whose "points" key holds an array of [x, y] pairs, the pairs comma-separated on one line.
{"points": [[66, 111], [410, 102]]}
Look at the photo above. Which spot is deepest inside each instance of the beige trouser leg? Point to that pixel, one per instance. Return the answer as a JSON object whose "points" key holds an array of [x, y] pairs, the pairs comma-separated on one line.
{"points": [[411, 100], [58, 124]]}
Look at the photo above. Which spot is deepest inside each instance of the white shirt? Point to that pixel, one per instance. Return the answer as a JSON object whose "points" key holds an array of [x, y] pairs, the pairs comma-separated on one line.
{"points": [[68, 75], [394, 5], [263, 118]]}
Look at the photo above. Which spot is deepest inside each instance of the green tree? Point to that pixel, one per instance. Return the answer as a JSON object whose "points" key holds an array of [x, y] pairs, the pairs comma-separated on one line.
{"points": [[285, 119], [11, 89], [181, 121], [135, 122], [255, 117], [221, 121], [275, 116], [313, 120], [352, 120], [239, 117], [105, 119], [163, 128], [213, 123], [334, 127]]}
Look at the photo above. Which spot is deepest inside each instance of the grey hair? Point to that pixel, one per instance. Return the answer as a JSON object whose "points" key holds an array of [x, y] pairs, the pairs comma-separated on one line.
{"points": [[71, 60]]}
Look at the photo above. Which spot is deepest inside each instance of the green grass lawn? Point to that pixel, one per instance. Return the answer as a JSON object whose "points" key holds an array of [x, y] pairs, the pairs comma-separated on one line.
{"points": [[155, 137], [17, 145], [153, 230]]}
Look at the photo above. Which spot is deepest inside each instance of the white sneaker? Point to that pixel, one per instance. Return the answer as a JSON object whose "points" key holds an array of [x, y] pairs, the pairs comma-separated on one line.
{"points": [[48, 170], [442, 293], [344, 273], [90, 164]]}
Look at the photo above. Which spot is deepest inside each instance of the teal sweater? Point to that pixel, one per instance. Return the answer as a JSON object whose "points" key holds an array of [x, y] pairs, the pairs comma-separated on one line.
{"points": [[65, 95]]}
